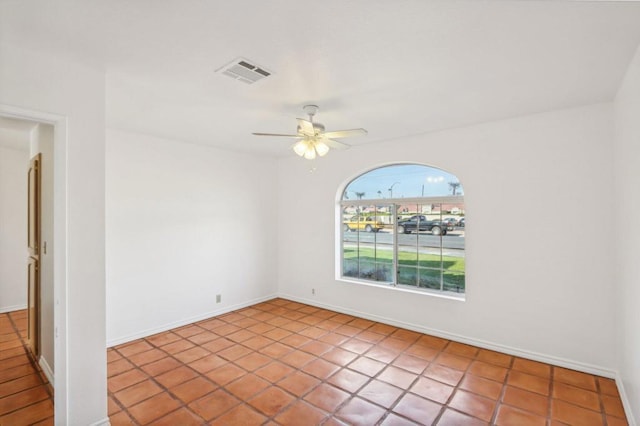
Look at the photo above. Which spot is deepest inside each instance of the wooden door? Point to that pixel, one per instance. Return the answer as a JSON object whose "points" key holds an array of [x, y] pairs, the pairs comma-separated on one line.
{"points": [[33, 271]]}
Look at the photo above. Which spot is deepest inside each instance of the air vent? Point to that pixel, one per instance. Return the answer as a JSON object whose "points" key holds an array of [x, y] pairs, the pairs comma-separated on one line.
{"points": [[244, 70]]}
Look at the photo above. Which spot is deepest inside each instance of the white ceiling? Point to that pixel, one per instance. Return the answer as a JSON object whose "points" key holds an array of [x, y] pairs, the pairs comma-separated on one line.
{"points": [[394, 67]]}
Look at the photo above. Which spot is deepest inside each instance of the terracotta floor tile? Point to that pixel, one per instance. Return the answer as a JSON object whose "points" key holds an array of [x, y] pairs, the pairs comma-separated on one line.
{"points": [[395, 420], [218, 345], [138, 392], [532, 367], [192, 354], [616, 421], [455, 418], [526, 400], [508, 416], [113, 355], [326, 397], [381, 354], [366, 366], [193, 389], [271, 401], [320, 368], [153, 408], [261, 328], [29, 415], [161, 366], [301, 410], [395, 343], [182, 417], [112, 406], [125, 379], [425, 352], [348, 380], [613, 406], [247, 386], [147, 357], [453, 361], [408, 335], [381, 393], [339, 356], [298, 383], [225, 330], [359, 412], [214, 404], [234, 352], [177, 346], [577, 396], [119, 366], [18, 385], [130, 349], [15, 372], [473, 405], [207, 363], [383, 329], [240, 336], [253, 361], [574, 415], [23, 399], [297, 358], [433, 341], [15, 361], [488, 371], [176, 376], [397, 377], [329, 325], [274, 371], [481, 386], [313, 332], [316, 348], [204, 337], [162, 338], [276, 350], [443, 374], [432, 390], [575, 378], [608, 386], [257, 342], [296, 326], [528, 382], [356, 345], [277, 334], [495, 358], [419, 409], [370, 336], [411, 363], [462, 349], [188, 330], [225, 374]]}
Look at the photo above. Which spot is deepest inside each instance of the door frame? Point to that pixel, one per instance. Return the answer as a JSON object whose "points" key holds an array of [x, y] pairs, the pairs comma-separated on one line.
{"points": [[60, 214]]}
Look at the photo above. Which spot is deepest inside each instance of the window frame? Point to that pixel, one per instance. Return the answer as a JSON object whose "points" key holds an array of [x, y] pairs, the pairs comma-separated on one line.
{"points": [[395, 202]]}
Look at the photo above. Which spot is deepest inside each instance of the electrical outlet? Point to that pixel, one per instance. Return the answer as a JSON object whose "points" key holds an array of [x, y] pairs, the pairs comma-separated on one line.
{"points": [[218, 298]]}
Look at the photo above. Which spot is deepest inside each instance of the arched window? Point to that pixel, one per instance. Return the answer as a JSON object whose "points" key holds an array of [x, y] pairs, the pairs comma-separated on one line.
{"points": [[403, 225]]}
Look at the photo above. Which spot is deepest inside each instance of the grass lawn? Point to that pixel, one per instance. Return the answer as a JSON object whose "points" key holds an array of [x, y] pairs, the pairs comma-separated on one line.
{"points": [[377, 265]]}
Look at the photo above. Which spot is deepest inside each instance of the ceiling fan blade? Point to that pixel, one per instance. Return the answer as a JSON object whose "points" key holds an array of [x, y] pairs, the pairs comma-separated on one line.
{"points": [[276, 134], [306, 127], [335, 144], [345, 133]]}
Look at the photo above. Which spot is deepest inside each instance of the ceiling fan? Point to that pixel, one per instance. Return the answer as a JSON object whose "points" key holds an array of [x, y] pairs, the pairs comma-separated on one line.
{"points": [[313, 140]]}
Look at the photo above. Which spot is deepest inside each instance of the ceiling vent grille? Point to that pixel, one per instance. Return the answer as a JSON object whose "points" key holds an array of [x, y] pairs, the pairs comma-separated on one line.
{"points": [[244, 70]]}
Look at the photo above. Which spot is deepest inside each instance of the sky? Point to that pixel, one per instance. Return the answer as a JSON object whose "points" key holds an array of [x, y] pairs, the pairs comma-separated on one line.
{"points": [[402, 181]]}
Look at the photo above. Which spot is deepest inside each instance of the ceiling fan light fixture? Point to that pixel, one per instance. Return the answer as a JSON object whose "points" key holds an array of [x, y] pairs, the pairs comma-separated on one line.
{"points": [[321, 148], [300, 147], [310, 153]]}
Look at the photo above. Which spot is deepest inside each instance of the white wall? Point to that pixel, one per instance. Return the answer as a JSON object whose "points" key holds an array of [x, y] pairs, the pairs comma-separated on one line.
{"points": [[42, 142], [36, 84], [541, 284], [184, 223], [627, 206], [13, 228]]}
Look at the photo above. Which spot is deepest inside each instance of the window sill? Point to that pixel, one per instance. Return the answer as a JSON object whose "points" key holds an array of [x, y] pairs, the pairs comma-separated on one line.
{"points": [[460, 297]]}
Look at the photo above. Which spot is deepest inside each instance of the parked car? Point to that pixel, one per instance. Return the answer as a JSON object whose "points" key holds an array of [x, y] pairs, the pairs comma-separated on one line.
{"points": [[450, 222], [362, 223], [420, 223], [461, 222]]}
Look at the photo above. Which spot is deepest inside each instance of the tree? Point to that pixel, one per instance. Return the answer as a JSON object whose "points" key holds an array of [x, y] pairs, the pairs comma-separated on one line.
{"points": [[454, 187], [360, 195]]}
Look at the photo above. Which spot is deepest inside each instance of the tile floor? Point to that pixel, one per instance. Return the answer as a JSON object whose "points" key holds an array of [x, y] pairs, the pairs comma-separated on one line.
{"points": [[282, 362], [25, 394]]}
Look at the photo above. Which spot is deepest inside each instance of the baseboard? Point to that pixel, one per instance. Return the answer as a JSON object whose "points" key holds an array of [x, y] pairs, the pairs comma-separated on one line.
{"points": [[549, 359], [185, 321], [5, 309], [46, 369], [103, 422], [625, 401]]}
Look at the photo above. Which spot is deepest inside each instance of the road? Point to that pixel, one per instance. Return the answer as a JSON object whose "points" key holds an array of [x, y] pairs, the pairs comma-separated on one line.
{"points": [[455, 241]]}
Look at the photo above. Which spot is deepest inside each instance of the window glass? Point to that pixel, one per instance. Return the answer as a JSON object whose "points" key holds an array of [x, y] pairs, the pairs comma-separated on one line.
{"points": [[408, 233]]}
